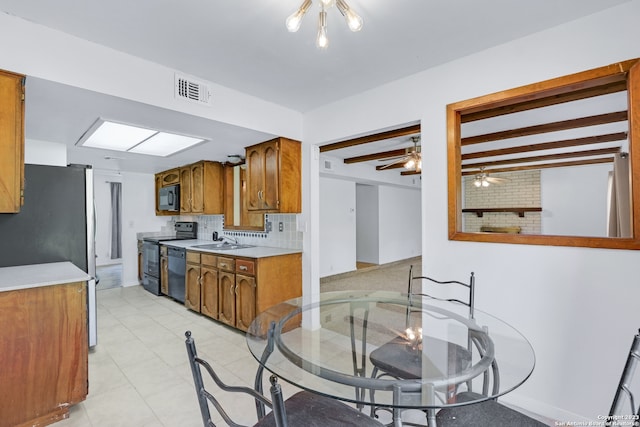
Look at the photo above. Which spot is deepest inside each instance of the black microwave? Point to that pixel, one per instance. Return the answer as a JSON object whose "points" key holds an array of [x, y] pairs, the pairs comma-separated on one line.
{"points": [[169, 198]]}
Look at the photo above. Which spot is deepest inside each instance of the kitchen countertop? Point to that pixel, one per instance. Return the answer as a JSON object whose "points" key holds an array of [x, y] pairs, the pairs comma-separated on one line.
{"points": [[255, 252], [37, 275]]}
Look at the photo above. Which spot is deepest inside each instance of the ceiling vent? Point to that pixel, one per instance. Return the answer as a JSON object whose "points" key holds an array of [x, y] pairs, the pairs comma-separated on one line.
{"points": [[192, 90], [327, 165]]}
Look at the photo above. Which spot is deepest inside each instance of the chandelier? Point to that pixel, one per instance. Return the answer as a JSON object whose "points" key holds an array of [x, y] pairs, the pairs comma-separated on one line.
{"points": [[354, 21]]}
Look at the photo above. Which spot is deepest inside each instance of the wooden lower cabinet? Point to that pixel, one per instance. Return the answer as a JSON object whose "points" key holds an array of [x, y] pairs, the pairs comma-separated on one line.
{"points": [[201, 284], [235, 289], [209, 291], [245, 301], [44, 356]]}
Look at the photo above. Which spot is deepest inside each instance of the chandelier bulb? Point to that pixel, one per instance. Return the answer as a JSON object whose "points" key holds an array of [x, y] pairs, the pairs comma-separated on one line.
{"points": [[354, 21], [323, 40], [295, 19]]}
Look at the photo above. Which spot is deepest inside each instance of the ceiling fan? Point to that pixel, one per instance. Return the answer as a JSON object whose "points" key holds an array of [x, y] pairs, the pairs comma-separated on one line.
{"points": [[412, 159], [483, 179]]}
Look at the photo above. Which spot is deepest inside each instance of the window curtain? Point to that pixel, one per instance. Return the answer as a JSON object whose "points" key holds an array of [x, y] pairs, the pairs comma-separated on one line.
{"points": [[116, 220], [620, 197]]}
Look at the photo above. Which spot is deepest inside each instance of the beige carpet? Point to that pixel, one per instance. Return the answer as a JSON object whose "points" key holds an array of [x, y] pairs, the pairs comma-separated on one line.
{"points": [[391, 277]]}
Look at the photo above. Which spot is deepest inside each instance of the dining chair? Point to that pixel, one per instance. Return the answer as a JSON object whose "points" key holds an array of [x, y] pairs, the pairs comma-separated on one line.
{"points": [[493, 413], [628, 385], [303, 409], [392, 359]]}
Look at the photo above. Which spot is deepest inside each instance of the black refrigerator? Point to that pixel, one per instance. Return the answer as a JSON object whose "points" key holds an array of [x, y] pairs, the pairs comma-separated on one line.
{"points": [[56, 223]]}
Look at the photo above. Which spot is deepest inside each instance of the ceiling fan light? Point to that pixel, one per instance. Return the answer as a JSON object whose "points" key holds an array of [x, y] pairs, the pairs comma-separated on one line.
{"points": [[477, 182], [295, 19], [410, 164], [485, 183]]}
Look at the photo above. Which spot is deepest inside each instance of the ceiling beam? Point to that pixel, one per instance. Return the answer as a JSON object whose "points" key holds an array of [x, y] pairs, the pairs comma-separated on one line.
{"points": [[620, 136], [547, 127], [544, 166], [589, 92], [573, 154], [410, 130]]}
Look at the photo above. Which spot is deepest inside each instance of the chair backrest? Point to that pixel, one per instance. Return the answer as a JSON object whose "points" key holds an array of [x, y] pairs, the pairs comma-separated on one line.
{"points": [[205, 397], [627, 387], [470, 288]]}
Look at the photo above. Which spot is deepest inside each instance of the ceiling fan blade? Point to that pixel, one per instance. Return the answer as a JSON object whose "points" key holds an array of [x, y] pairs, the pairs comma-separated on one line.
{"points": [[496, 180], [395, 164], [386, 159]]}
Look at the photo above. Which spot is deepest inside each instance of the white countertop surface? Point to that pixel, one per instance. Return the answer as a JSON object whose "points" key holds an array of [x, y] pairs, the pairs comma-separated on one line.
{"points": [[255, 252], [37, 275]]}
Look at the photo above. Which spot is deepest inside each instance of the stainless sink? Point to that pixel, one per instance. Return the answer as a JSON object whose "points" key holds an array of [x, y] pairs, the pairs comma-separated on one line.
{"points": [[222, 246]]}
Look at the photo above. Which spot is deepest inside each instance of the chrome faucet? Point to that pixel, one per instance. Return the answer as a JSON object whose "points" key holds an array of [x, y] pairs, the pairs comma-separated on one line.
{"points": [[231, 239]]}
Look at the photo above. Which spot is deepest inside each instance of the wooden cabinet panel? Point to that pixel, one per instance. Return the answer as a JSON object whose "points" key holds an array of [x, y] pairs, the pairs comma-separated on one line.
{"points": [[271, 183], [164, 275], [209, 291], [245, 301], [197, 188], [226, 264], [44, 357], [226, 297], [11, 141], [274, 176], [192, 287], [245, 266], [185, 190]]}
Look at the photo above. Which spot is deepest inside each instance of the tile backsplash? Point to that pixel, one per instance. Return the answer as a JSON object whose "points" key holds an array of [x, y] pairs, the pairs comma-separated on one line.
{"points": [[281, 230]]}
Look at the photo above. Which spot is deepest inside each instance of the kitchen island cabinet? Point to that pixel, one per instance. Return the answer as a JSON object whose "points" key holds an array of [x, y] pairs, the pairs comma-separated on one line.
{"points": [[44, 341], [11, 141]]}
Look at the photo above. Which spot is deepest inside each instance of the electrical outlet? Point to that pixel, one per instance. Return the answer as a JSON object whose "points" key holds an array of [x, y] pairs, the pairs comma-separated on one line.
{"points": [[281, 226]]}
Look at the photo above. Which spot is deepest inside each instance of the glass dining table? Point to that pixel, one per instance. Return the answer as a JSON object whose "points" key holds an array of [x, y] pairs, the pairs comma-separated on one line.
{"points": [[385, 351]]}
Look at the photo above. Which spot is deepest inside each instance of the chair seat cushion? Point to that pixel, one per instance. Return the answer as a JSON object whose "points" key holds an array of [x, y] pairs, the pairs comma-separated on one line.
{"points": [[306, 409], [398, 359], [486, 413]]}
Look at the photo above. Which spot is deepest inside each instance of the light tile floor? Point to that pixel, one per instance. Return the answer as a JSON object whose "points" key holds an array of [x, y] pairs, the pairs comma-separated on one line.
{"points": [[138, 372], [139, 375]]}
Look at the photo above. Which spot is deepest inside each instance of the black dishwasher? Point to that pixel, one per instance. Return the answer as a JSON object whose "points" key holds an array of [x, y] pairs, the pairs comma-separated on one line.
{"points": [[177, 268]]}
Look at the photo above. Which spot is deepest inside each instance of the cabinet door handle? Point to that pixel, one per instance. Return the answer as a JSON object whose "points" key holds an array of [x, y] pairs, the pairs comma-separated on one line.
{"points": [[243, 268], [236, 289], [231, 289]]}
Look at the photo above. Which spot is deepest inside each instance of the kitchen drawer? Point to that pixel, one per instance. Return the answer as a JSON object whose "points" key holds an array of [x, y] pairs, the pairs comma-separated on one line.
{"points": [[193, 257], [163, 250], [226, 264], [246, 266], [209, 259]]}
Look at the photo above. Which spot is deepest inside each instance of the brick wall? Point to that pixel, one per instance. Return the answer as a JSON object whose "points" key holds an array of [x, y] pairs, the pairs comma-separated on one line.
{"points": [[522, 190]]}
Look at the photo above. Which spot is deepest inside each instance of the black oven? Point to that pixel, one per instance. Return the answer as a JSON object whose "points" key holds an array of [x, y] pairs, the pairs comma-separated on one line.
{"points": [[151, 254]]}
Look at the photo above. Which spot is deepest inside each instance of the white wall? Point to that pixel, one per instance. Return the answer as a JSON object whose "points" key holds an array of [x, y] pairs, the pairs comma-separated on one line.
{"points": [[400, 225], [575, 200], [338, 226], [45, 153], [575, 305], [367, 220], [138, 215]]}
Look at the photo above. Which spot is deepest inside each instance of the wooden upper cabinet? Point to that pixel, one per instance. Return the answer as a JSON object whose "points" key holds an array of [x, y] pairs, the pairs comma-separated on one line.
{"points": [[11, 141], [201, 188], [274, 176]]}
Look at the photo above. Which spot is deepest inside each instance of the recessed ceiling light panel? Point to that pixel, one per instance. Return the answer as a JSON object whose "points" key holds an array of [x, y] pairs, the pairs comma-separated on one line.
{"points": [[133, 139], [165, 144]]}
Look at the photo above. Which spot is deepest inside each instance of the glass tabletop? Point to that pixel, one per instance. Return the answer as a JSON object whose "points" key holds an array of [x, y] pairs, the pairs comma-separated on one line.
{"points": [[382, 347]]}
